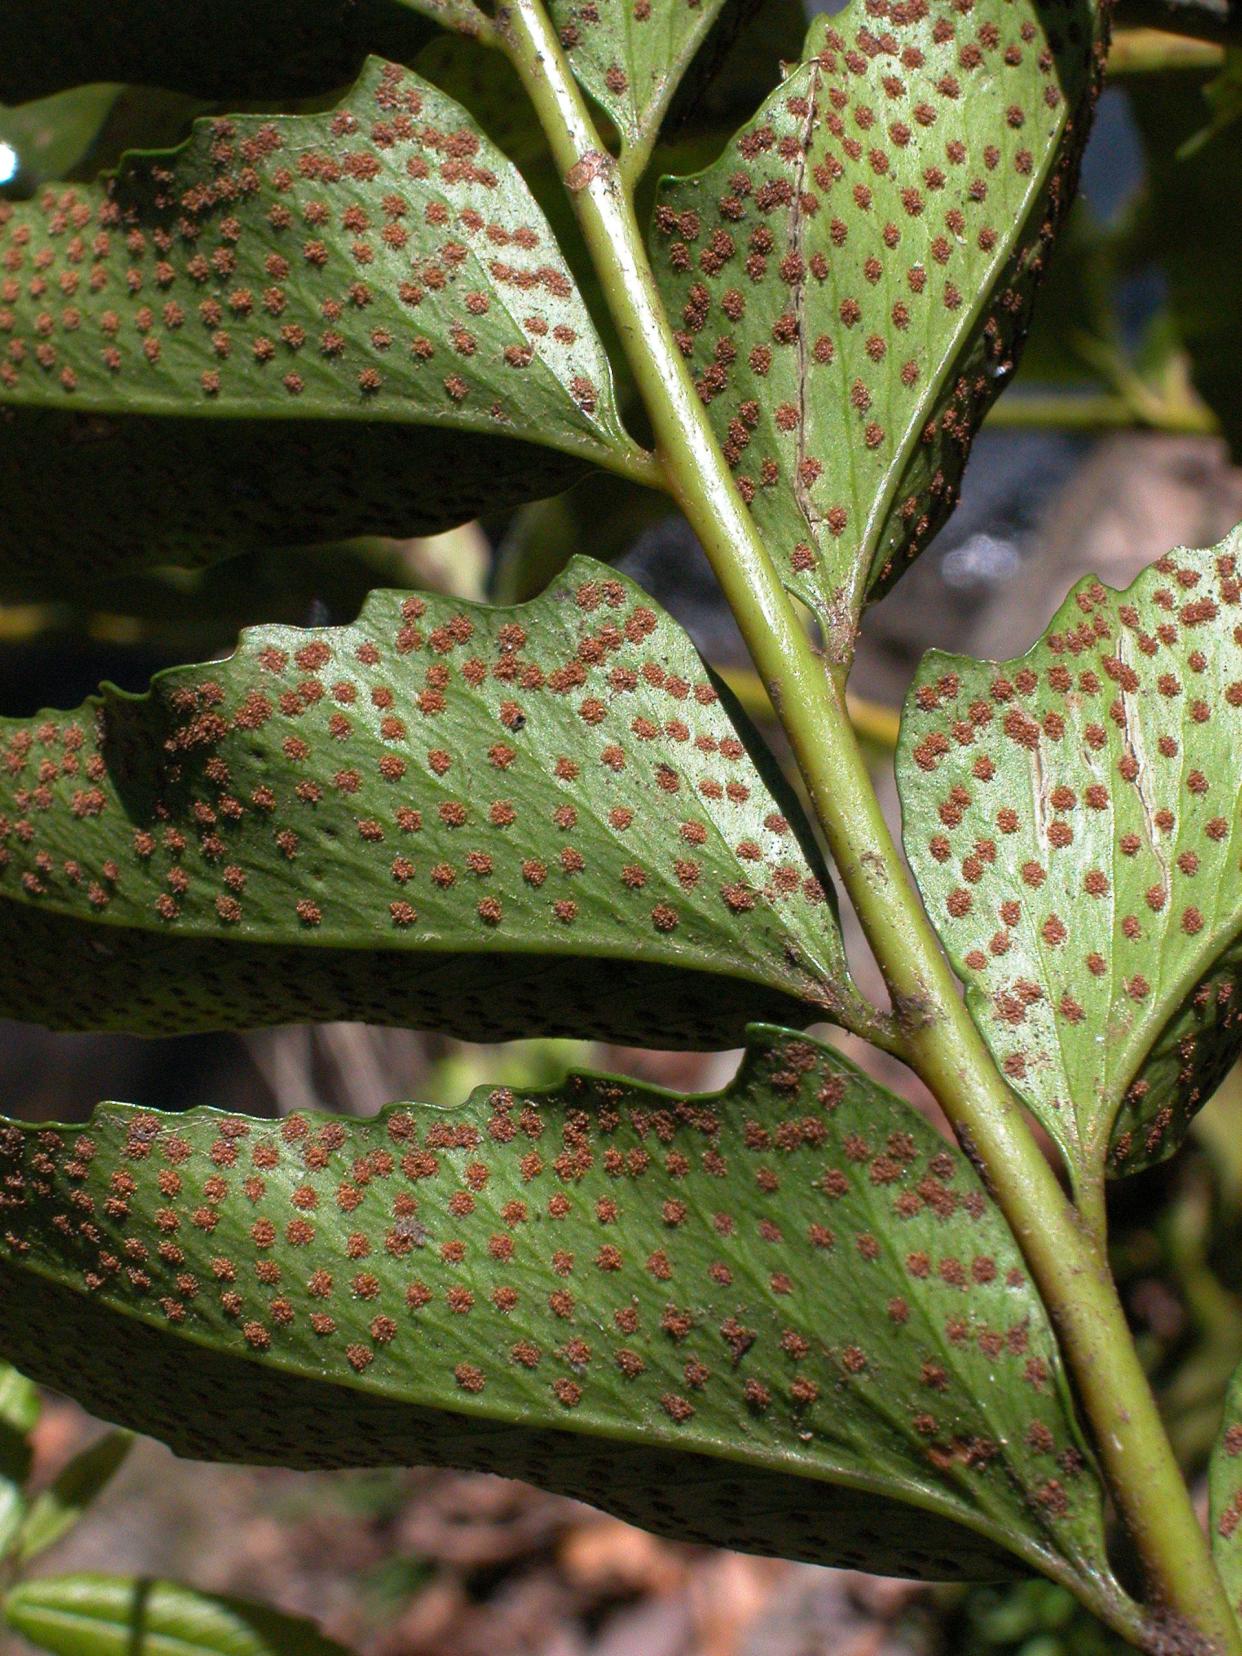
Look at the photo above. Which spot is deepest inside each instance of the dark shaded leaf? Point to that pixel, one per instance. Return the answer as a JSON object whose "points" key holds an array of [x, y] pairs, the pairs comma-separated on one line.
{"points": [[852, 277], [49, 138], [740, 62], [1073, 821], [281, 289], [1223, 96], [1075, 322], [1196, 245], [99, 1615], [785, 1317], [608, 514], [168, 615], [211, 48], [489, 821]]}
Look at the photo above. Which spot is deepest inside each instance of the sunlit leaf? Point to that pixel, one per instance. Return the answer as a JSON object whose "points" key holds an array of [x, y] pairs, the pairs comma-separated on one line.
{"points": [[292, 294], [1073, 821], [785, 1317], [495, 822], [851, 280]]}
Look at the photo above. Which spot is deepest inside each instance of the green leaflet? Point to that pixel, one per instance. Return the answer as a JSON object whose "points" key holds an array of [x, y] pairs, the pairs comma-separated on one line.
{"points": [[211, 48], [99, 1615], [1072, 818], [852, 278], [19, 1409], [1225, 1495], [631, 54], [55, 1511], [291, 293], [785, 1317], [19, 1405], [495, 822]]}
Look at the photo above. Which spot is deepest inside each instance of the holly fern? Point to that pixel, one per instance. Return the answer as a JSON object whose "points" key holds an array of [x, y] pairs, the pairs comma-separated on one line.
{"points": [[788, 1317]]}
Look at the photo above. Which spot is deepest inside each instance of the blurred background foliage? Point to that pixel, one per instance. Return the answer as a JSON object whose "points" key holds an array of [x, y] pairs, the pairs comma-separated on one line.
{"points": [[1122, 436]]}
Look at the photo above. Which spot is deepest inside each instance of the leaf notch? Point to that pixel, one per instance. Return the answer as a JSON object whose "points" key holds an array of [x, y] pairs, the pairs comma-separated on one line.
{"points": [[1072, 818]]}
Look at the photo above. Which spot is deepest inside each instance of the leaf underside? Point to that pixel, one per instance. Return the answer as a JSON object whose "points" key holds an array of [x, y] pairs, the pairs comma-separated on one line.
{"points": [[784, 1318], [852, 278], [631, 54], [1225, 1495], [491, 821], [321, 279], [1072, 818], [211, 48]]}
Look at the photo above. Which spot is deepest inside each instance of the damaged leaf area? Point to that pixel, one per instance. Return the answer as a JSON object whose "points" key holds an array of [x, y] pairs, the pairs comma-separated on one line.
{"points": [[784, 1318], [631, 54], [1072, 818], [851, 280], [379, 264], [496, 822]]}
